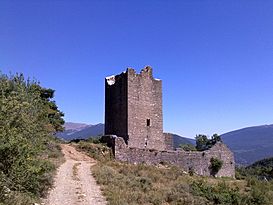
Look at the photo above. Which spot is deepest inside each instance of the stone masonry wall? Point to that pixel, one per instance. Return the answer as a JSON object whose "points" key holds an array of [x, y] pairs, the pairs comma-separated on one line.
{"points": [[168, 141], [199, 162], [133, 109], [145, 121], [116, 105]]}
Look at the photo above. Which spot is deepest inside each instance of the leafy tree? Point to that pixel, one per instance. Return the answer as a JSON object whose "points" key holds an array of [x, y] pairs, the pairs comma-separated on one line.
{"points": [[204, 143], [215, 138], [54, 115], [26, 124]]}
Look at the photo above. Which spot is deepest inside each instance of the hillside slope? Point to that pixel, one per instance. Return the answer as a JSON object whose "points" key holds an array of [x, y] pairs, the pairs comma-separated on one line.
{"points": [[177, 140], [266, 163], [80, 131], [250, 144]]}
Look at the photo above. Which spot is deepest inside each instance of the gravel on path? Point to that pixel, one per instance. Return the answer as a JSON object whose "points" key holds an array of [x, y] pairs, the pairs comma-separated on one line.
{"points": [[74, 183]]}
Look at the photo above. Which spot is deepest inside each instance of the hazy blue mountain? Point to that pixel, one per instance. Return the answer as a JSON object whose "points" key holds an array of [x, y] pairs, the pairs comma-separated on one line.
{"points": [[80, 131], [74, 126], [84, 131], [250, 144]]}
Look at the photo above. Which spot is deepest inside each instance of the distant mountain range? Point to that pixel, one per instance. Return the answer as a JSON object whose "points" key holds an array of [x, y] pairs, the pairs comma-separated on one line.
{"points": [[248, 144], [84, 131], [80, 131]]}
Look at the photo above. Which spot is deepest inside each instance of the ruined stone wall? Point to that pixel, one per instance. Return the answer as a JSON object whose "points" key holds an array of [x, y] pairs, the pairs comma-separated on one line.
{"points": [[145, 121], [199, 162], [116, 106], [168, 141]]}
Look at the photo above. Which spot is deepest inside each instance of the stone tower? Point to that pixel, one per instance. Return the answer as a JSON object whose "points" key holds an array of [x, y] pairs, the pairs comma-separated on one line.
{"points": [[133, 109]]}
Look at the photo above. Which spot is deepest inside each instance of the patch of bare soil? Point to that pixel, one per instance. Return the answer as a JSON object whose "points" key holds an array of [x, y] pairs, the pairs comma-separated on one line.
{"points": [[74, 184]]}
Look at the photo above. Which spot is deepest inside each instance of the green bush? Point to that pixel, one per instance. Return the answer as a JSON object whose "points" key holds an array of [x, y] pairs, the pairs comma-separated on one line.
{"points": [[204, 143], [215, 165], [260, 192], [28, 117], [220, 193]]}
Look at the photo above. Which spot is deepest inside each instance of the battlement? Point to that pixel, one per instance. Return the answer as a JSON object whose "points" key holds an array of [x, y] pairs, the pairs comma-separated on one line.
{"points": [[145, 72]]}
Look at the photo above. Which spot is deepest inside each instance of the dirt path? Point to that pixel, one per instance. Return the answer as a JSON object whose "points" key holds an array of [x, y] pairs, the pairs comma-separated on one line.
{"points": [[74, 184]]}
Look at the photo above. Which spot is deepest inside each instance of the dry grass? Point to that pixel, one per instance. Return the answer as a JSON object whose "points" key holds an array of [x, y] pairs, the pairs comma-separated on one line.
{"points": [[141, 184], [98, 151], [124, 184], [128, 184]]}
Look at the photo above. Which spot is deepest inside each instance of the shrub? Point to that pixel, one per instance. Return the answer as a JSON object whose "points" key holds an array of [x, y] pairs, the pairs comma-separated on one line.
{"points": [[215, 165], [28, 117], [218, 194], [261, 192]]}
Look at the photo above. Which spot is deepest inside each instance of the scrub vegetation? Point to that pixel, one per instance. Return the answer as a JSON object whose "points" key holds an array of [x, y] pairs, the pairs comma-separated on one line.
{"points": [[124, 183], [28, 151]]}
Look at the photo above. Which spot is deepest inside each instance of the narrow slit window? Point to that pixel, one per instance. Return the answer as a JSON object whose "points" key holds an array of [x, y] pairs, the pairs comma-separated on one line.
{"points": [[148, 122]]}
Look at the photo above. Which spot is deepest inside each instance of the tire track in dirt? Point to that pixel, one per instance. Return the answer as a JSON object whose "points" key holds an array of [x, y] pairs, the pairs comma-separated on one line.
{"points": [[74, 183]]}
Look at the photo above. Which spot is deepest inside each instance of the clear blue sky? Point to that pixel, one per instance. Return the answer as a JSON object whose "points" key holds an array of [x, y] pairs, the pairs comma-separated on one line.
{"points": [[215, 57]]}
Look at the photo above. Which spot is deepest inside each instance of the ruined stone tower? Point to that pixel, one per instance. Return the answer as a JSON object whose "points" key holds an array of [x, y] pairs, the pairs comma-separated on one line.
{"points": [[134, 127], [133, 109]]}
